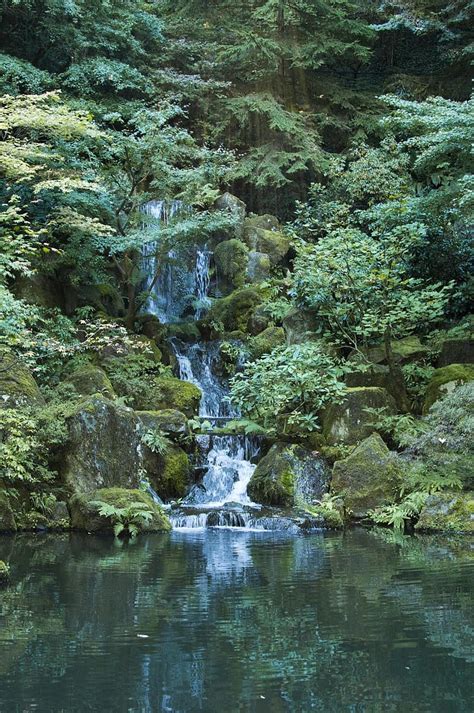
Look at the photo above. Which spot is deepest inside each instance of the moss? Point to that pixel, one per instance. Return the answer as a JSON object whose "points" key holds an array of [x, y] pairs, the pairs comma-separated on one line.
{"points": [[405, 350], [447, 512], [445, 380], [90, 380], [4, 572], [17, 383], [171, 422], [7, 516], [266, 341], [85, 511], [258, 266], [330, 519], [265, 222], [275, 244], [348, 422], [171, 473], [167, 392], [236, 310], [369, 477], [185, 331], [231, 258]]}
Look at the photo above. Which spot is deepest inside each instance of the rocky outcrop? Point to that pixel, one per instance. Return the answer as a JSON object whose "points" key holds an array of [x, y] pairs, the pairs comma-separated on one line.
{"points": [[17, 384], [445, 380], [85, 511], [348, 422], [447, 512], [368, 478], [289, 475]]}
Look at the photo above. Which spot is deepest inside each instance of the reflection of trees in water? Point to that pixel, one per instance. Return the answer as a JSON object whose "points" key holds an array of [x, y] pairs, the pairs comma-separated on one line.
{"points": [[322, 622]]}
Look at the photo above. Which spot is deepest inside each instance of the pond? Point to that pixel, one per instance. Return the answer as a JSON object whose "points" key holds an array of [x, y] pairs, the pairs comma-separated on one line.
{"points": [[223, 621]]}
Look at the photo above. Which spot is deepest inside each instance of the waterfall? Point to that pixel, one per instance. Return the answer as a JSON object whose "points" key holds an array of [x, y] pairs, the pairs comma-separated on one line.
{"points": [[203, 281]]}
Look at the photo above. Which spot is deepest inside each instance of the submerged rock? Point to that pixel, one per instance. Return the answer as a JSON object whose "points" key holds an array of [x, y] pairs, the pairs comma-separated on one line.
{"points": [[447, 512], [368, 478], [348, 422], [85, 509], [445, 380], [7, 517], [288, 475]]}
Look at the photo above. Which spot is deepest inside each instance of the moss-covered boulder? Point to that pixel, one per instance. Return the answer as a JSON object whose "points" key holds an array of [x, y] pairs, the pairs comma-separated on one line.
{"points": [[17, 384], [271, 242], [89, 380], [447, 512], [266, 341], [168, 472], [289, 475], [103, 449], [258, 266], [168, 392], [4, 573], [231, 258], [237, 208], [235, 311], [299, 325], [368, 478], [171, 422], [445, 380], [405, 350], [85, 509], [263, 222], [456, 351], [7, 517], [348, 422], [376, 375]]}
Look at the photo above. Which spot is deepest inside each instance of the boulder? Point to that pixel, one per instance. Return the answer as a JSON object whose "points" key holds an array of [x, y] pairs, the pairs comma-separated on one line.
{"points": [[289, 475], [376, 375], [85, 508], [168, 472], [275, 244], [89, 380], [258, 266], [171, 422], [447, 512], [264, 222], [231, 258], [7, 517], [299, 326], [266, 341], [368, 478], [236, 207], [17, 384], [456, 351], [103, 448], [168, 392], [235, 311], [348, 422], [405, 350], [445, 380]]}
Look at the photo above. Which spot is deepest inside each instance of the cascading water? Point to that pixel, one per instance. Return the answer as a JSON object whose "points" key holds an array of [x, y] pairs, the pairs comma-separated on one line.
{"points": [[203, 281]]}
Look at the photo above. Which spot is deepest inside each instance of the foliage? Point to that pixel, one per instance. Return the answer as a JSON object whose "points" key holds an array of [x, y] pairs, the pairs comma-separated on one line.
{"points": [[401, 429], [127, 520], [22, 455], [156, 441]]}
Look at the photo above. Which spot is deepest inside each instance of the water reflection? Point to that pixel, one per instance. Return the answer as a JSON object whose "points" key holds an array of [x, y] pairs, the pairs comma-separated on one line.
{"points": [[232, 621]]}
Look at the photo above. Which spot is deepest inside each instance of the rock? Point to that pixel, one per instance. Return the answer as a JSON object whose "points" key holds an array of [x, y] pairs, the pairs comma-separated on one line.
{"points": [[59, 518], [289, 475], [89, 380], [348, 422], [17, 384], [447, 512], [85, 510], [151, 326], [39, 290], [266, 341], [235, 311], [4, 572], [171, 422], [258, 266], [103, 449], [456, 351], [445, 380], [7, 517], [299, 326], [264, 222], [405, 350], [377, 375], [167, 392], [169, 472], [275, 244], [369, 477], [231, 258], [236, 207]]}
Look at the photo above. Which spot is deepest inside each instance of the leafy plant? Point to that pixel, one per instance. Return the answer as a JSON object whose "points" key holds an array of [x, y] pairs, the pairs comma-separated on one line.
{"points": [[397, 515], [402, 429], [128, 520], [156, 441]]}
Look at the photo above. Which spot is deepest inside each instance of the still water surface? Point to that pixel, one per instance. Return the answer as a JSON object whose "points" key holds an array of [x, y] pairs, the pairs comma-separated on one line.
{"points": [[223, 622]]}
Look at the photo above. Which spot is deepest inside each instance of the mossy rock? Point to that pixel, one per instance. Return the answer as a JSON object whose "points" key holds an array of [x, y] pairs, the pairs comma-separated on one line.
{"points": [[184, 331], [271, 242], [103, 449], [171, 422], [264, 222], [289, 475], [368, 478], [237, 208], [17, 384], [324, 518], [169, 473], [4, 573], [151, 326], [300, 326], [153, 352], [168, 392], [376, 375], [236, 310], [445, 380], [258, 266], [266, 341], [456, 351], [405, 350], [231, 258], [85, 515], [348, 422], [447, 512], [7, 516], [89, 380]]}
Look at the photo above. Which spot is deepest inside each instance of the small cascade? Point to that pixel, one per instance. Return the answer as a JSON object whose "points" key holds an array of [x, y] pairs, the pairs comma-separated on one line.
{"points": [[199, 364], [203, 281]]}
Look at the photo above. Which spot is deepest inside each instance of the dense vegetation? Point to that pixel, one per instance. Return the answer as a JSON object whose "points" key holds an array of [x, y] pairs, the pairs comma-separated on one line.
{"points": [[350, 121]]}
